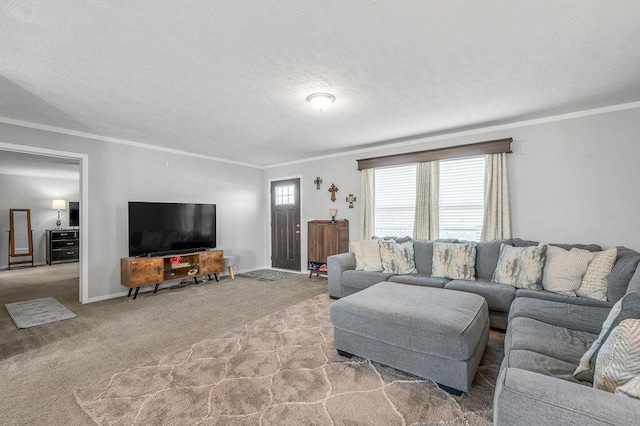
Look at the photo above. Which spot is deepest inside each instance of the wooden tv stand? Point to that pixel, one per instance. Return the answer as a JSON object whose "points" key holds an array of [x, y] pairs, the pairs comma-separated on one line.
{"points": [[136, 272]]}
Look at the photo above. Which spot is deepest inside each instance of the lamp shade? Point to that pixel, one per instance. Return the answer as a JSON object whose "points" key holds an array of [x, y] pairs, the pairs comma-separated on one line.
{"points": [[58, 205]]}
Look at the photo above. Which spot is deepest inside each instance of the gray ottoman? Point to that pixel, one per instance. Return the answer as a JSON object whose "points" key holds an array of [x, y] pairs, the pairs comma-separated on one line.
{"points": [[433, 333]]}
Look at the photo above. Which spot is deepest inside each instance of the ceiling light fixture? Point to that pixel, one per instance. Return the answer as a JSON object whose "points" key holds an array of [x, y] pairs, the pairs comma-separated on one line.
{"points": [[320, 101]]}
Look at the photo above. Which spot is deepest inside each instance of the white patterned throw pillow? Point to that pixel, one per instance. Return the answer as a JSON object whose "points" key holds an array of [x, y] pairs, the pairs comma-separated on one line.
{"points": [[626, 308], [397, 258], [454, 261], [367, 254], [564, 269], [595, 280], [520, 267], [618, 361]]}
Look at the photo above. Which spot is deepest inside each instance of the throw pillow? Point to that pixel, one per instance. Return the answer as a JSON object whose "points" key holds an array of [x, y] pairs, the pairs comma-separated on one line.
{"points": [[564, 269], [367, 255], [618, 361], [520, 267], [454, 261], [397, 258], [625, 308], [630, 389], [595, 280]]}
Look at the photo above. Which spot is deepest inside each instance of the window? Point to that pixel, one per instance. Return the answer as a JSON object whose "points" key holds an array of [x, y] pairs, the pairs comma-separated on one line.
{"points": [[395, 200], [462, 198], [285, 194]]}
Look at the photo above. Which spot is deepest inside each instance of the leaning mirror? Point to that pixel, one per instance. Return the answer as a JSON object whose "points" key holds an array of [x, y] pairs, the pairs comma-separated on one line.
{"points": [[20, 238]]}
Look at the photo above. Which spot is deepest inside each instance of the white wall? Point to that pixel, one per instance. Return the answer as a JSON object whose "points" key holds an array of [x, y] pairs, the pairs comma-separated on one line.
{"points": [[120, 173], [573, 180], [34, 193]]}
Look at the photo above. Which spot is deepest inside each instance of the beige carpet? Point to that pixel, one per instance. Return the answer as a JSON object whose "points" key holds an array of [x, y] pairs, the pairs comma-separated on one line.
{"points": [[283, 370], [40, 367]]}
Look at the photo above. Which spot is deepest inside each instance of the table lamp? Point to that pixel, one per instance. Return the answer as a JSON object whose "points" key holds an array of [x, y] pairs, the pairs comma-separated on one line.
{"points": [[58, 205]]}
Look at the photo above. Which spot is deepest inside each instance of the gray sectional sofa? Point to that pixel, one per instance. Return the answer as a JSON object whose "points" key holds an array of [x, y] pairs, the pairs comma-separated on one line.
{"points": [[546, 334]]}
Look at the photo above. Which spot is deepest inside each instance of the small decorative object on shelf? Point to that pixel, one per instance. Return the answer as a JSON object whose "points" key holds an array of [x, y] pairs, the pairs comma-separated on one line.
{"points": [[333, 191], [192, 272], [318, 181], [175, 260], [351, 199], [333, 213]]}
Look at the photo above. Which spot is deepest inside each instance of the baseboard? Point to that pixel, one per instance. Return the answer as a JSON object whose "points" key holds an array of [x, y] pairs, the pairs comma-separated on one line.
{"points": [[147, 288]]}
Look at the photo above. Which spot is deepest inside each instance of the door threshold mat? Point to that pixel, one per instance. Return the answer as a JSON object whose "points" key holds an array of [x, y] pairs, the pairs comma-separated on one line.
{"points": [[36, 312], [267, 274]]}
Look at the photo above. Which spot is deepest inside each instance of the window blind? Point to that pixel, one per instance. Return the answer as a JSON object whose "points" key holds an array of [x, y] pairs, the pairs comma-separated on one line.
{"points": [[461, 198], [395, 200]]}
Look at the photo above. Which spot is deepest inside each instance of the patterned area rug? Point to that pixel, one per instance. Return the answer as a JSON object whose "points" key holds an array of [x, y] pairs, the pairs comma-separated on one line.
{"points": [[284, 370], [267, 274], [37, 312]]}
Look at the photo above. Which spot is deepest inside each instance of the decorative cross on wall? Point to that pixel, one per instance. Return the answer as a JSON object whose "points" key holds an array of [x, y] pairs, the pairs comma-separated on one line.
{"points": [[351, 199], [333, 191], [318, 181]]}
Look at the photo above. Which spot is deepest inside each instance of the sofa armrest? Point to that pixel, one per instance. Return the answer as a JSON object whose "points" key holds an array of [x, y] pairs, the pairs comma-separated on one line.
{"points": [[525, 398], [336, 265]]}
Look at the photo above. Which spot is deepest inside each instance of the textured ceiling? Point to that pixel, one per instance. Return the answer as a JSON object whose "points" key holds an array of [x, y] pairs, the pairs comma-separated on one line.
{"points": [[229, 79], [21, 164]]}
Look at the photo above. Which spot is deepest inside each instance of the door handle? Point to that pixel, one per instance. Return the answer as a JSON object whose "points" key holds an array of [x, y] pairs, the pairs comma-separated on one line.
{"points": [[297, 232]]}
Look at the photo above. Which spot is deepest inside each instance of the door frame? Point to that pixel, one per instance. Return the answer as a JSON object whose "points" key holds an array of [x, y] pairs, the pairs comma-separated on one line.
{"points": [[303, 233], [84, 204]]}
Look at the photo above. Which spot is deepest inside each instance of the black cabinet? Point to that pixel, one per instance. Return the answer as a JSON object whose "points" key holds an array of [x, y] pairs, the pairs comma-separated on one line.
{"points": [[63, 245]]}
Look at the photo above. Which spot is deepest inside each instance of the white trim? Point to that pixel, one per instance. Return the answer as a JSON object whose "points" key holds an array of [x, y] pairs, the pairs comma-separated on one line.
{"points": [[477, 131], [412, 140], [42, 175], [84, 205], [86, 135], [303, 238]]}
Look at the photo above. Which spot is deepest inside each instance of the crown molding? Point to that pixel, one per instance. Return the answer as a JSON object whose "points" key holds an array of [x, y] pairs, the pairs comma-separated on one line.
{"points": [[405, 142], [86, 135], [477, 131]]}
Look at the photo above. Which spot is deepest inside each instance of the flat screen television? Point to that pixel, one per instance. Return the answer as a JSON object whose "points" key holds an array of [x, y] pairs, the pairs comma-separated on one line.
{"points": [[74, 213], [157, 229]]}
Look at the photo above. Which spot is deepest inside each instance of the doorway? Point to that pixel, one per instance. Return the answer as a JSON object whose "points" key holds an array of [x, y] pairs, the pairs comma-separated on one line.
{"points": [[81, 160], [285, 224]]}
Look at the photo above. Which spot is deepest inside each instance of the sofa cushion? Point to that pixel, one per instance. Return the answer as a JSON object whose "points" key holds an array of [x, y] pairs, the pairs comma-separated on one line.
{"points": [[625, 308], [367, 255], [619, 358], [520, 267], [547, 339], [563, 311], [630, 389], [419, 279], [498, 296], [397, 258], [487, 254], [517, 242], [454, 261], [621, 273], [564, 269], [423, 254], [542, 364], [362, 279], [595, 280]]}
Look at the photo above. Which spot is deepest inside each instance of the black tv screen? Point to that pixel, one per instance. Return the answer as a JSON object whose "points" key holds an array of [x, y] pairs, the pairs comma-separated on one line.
{"points": [[167, 228], [74, 213]]}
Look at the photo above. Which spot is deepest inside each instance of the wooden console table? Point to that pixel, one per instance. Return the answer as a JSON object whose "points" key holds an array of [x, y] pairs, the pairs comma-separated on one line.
{"points": [[136, 272]]}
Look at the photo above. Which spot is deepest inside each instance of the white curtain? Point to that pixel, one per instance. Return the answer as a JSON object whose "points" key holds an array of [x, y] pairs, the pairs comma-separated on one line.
{"points": [[367, 195], [497, 221], [427, 216]]}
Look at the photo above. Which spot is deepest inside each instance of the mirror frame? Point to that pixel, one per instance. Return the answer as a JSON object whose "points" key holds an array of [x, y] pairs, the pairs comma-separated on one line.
{"points": [[12, 233]]}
